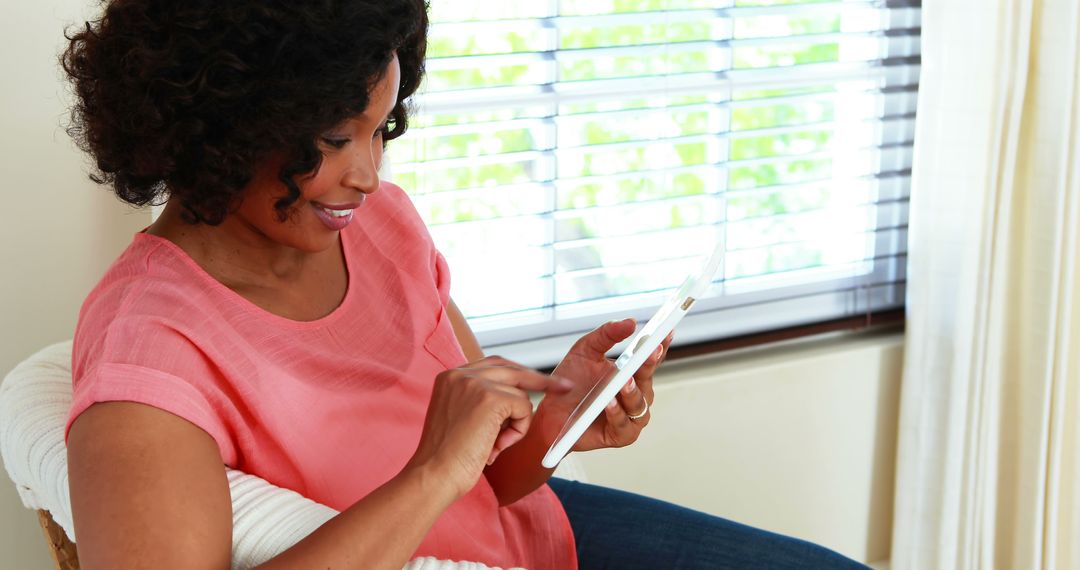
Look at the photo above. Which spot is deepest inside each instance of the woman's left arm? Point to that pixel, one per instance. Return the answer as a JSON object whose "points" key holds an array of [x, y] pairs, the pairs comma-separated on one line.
{"points": [[517, 471], [469, 345]]}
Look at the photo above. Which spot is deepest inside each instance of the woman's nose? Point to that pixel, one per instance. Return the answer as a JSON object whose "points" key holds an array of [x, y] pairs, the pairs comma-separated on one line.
{"points": [[362, 174]]}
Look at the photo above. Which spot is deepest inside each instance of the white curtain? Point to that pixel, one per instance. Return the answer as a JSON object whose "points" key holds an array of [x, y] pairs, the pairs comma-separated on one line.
{"points": [[988, 472]]}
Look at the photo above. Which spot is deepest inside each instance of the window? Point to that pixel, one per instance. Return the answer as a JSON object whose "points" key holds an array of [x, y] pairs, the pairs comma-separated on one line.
{"points": [[576, 159]]}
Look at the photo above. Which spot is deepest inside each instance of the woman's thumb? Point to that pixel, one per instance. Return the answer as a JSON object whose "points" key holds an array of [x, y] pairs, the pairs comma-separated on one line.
{"points": [[609, 334]]}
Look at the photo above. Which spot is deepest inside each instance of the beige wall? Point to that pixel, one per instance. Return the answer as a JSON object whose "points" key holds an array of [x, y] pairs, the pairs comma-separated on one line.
{"points": [[59, 230], [799, 440]]}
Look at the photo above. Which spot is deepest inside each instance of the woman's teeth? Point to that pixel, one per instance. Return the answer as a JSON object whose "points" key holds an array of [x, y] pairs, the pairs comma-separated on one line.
{"points": [[337, 213]]}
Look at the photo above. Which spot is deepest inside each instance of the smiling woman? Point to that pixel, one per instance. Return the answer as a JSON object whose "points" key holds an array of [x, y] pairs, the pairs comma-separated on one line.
{"points": [[288, 315]]}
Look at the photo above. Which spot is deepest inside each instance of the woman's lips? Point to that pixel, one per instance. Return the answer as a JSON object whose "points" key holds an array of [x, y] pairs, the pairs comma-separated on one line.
{"points": [[335, 216]]}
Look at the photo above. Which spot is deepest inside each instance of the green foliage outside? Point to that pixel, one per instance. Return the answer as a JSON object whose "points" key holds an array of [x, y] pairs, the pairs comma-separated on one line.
{"points": [[774, 25], [480, 76], [461, 177], [417, 122], [617, 129], [608, 161], [631, 190], [488, 44], [780, 145], [779, 2], [455, 208], [669, 102], [590, 7], [635, 35], [466, 144], [785, 55], [612, 222], [766, 204], [779, 173], [608, 67], [782, 115], [747, 94], [758, 263]]}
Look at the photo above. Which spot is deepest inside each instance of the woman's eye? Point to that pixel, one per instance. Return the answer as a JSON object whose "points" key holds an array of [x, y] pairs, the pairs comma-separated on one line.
{"points": [[335, 142]]}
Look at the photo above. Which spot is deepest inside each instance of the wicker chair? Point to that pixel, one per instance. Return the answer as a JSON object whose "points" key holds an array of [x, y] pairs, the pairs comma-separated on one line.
{"points": [[64, 554]]}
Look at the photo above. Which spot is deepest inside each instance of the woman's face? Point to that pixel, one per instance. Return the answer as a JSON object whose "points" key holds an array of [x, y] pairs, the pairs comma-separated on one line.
{"points": [[352, 152]]}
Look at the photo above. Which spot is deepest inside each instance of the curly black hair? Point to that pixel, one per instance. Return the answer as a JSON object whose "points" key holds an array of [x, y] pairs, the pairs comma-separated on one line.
{"points": [[185, 99]]}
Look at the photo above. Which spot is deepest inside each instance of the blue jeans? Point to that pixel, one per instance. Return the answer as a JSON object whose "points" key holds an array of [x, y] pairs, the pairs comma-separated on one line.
{"points": [[615, 529]]}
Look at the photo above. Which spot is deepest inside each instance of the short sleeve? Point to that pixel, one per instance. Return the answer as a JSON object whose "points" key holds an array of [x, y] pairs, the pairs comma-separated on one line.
{"points": [[139, 359], [442, 278]]}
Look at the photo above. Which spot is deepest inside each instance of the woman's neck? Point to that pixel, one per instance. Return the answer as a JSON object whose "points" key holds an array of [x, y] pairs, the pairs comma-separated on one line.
{"points": [[233, 252]]}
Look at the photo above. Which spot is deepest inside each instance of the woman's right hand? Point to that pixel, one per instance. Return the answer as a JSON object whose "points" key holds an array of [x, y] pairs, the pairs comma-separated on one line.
{"points": [[477, 411]]}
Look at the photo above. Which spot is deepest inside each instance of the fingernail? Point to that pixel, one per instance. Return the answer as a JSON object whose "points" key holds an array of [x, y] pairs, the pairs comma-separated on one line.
{"points": [[565, 383], [612, 405], [630, 386]]}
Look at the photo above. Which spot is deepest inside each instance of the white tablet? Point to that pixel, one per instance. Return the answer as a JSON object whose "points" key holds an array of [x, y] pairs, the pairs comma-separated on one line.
{"points": [[641, 345]]}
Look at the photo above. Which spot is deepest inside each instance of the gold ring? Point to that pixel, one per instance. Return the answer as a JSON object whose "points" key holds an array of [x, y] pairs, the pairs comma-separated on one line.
{"points": [[636, 417]]}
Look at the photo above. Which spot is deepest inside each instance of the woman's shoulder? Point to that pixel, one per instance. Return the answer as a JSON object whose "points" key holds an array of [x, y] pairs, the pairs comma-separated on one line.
{"points": [[147, 277], [147, 288]]}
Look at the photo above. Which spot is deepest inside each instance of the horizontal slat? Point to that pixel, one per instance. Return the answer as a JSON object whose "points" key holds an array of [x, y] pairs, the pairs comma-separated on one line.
{"points": [[867, 236], [894, 192], [566, 185], [898, 74], [858, 134], [804, 8], [750, 281], [620, 212], [554, 18], [528, 57]]}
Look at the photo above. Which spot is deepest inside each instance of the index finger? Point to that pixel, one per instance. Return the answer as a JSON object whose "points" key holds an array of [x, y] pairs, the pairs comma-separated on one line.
{"points": [[521, 377]]}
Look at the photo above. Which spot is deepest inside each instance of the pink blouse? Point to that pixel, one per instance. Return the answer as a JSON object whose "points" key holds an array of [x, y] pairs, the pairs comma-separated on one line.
{"points": [[330, 408]]}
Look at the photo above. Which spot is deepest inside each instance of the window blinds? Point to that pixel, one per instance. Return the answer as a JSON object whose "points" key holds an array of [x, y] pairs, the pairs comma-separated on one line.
{"points": [[576, 159]]}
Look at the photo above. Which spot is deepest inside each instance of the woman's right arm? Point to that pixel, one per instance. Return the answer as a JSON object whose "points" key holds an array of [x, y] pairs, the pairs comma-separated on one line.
{"points": [[148, 488]]}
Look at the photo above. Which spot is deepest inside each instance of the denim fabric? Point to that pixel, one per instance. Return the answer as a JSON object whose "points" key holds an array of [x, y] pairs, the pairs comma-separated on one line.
{"points": [[615, 529]]}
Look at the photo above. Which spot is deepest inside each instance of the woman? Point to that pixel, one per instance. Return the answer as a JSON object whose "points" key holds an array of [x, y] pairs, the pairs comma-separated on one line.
{"points": [[289, 316]]}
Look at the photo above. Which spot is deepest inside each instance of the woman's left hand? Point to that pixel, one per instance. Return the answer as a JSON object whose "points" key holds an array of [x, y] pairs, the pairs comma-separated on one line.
{"points": [[585, 364]]}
